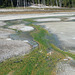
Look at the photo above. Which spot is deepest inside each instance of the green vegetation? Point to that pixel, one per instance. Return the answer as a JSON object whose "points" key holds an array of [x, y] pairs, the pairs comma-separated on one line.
{"points": [[61, 51], [37, 62]]}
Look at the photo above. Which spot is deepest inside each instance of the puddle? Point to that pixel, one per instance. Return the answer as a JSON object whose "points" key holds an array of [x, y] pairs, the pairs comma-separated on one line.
{"points": [[22, 32], [21, 36], [24, 36]]}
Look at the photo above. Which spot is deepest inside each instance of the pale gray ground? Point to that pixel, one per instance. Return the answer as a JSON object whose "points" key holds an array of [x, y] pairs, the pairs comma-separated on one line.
{"points": [[9, 47], [65, 31], [4, 33], [48, 19], [66, 68], [19, 10]]}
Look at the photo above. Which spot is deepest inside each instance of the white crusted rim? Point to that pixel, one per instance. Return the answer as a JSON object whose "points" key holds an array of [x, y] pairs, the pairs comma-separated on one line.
{"points": [[25, 41], [71, 18], [48, 19], [27, 28], [8, 39]]}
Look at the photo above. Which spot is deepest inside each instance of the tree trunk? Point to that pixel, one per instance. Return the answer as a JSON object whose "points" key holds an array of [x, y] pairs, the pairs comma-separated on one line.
{"points": [[60, 3], [11, 3], [17, 3], [56, 2], [43, 2], [38, 2], [72, 3], [33, 2], [24, 4], [51, 3]]}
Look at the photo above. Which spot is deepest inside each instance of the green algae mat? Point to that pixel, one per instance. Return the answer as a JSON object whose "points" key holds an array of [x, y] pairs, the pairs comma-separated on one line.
{"points": [[40, 61]]}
